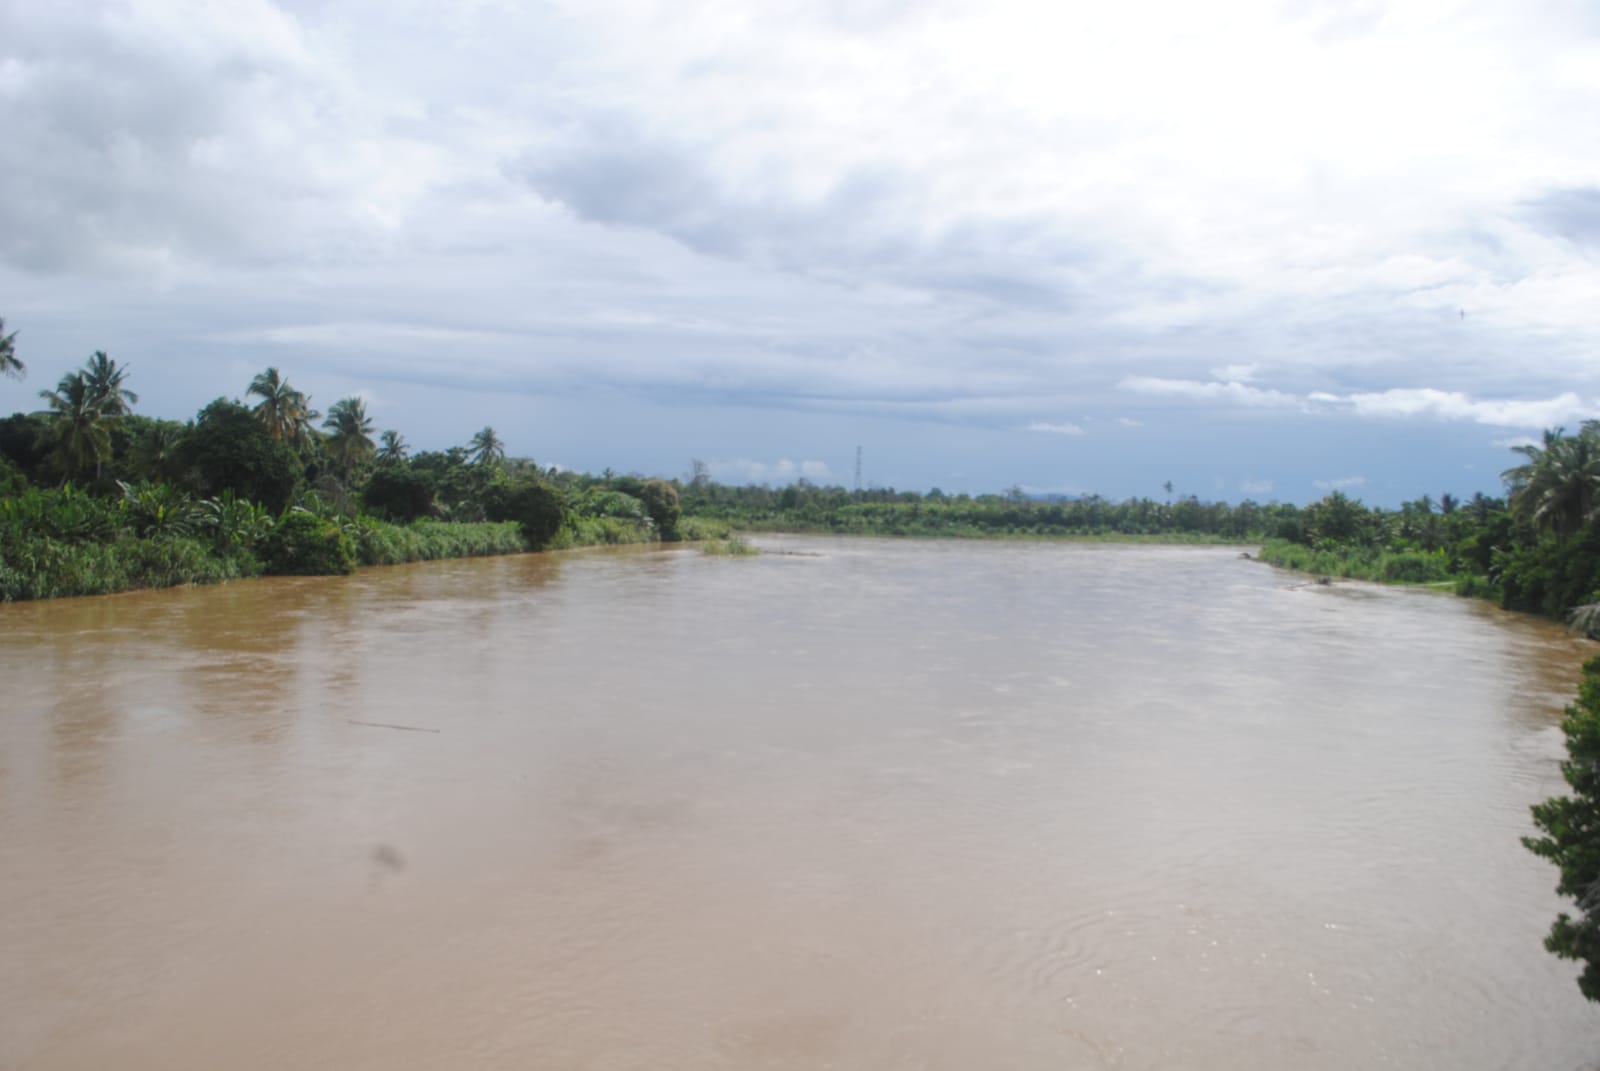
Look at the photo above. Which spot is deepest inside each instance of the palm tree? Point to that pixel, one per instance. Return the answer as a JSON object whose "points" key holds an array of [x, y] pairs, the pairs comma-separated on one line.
{"points": [[349, 435], [80, 425], [393, 447], [9, 365], [486, 447], [105, 380], [286, 413], [1558, 488], [153, 451]]}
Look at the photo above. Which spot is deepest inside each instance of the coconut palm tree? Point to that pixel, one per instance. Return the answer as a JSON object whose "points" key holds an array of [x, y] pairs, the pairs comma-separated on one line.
{"points": [[487, 449], [349, 435], [105, 380], [392, 447], [284, 411], [1558, 487], [153, 451], [9, 365], [79, 423]]}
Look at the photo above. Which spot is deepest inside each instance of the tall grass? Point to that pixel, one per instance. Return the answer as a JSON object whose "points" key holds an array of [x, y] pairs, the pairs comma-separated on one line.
{"points": [[592, 531], [41, 567], [731, 547], [1361, 563], [381, 543]]}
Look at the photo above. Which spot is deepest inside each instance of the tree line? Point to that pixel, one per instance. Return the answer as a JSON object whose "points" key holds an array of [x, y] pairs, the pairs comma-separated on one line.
{"points": [[95, 497]]}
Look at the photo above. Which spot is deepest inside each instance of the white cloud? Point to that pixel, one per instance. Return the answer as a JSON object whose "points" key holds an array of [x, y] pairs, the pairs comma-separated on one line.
{"points": [[1198, 390], [960, 212], [1256, 487], [782, 471], [1397, 402], [1343, 483], [1236, 373], [1453, 405], [1055, 429]]}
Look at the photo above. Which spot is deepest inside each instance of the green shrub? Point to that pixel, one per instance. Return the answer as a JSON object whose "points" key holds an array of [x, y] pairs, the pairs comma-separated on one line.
{"points": [[602, 532], [732, 547], [1414, 566], [1570, 825], [399, 494], [304, 545], [660, 498], [380, 543], [695, 529], [537, 507]]}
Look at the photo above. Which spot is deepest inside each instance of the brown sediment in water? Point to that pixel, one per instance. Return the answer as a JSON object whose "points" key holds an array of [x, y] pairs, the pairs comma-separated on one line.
{"points": [[897, 805]]}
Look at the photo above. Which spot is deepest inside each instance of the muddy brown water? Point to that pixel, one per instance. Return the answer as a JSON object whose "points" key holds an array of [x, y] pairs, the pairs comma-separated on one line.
{"points": [[871, 805]]}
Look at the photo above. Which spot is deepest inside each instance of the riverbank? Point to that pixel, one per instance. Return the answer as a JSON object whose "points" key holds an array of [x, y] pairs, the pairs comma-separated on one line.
{"points": [[987, 534], [398, 820], [1361, 563], [43, 566]]}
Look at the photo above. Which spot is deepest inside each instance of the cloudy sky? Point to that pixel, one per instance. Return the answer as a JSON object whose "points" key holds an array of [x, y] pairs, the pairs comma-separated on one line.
{"points": [[1259, 249]]}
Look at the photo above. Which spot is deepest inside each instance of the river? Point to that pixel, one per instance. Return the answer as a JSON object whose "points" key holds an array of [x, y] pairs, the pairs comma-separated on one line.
{"points": [[851, 804]]}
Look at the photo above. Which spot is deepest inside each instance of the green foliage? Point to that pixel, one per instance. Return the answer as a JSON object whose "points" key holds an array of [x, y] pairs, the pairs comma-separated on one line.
{"points": [[1571, 840], [379, 543], [10, 364], [1475, 586], [305, 545], [486, 448], [24, 441], [284, 412], [660, 499], [80, 425], [1547, 573], [65, 513], [12, 481], [458, 487], [732, 547], [392, 447], [536, 506], [601, 501], [144, 449], [45, 568], [807, 507], [1558, 487], [581, 531], [158, 509], [695, 529], [106, 381], [399, 493], [1359, 562], [349, 442], [65, 541], [234, 524], [228, 449]]}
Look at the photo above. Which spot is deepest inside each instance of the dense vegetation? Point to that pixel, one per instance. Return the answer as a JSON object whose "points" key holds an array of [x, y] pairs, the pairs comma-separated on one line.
{"points": [[807, 507], [1536, 550], [1571, 840], [95, 498]]}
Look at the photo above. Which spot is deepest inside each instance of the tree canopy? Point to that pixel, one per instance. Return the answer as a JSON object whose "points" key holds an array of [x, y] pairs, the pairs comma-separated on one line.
{"points": [[1571, 840], [283, 411], [10, 364], [349, 435]]}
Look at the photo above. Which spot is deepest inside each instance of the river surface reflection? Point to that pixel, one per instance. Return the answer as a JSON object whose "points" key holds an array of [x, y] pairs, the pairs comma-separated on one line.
{"points": [[850, 804]]}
